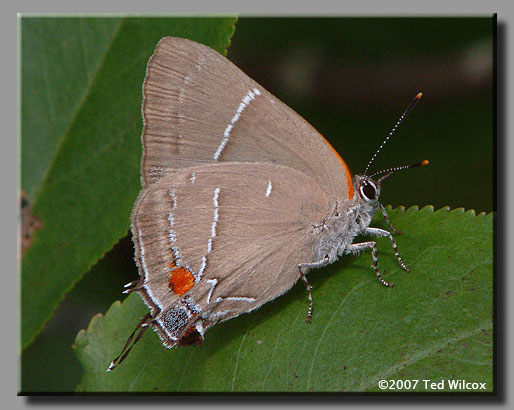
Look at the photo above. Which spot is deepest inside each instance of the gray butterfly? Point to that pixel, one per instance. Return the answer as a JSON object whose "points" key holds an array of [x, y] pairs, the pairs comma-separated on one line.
{"points": [[240, 197]]}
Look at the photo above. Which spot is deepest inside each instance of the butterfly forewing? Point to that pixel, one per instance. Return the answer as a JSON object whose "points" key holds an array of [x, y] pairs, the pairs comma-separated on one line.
{"points": [[200, 108]]}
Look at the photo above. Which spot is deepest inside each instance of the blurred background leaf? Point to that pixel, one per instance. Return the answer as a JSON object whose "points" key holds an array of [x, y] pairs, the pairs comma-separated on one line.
{"points": [[349, 77]]}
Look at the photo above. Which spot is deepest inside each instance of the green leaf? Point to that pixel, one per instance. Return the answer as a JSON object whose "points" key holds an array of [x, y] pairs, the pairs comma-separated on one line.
{"points": [[436, 323], [81, 149]]}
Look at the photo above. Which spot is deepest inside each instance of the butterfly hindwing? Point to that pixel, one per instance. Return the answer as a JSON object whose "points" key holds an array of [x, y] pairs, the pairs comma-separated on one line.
{"points": [[224, 231]]}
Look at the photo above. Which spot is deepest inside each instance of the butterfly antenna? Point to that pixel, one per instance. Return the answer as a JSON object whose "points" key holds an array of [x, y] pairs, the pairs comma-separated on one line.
{"points": [[390, 171], [406, 112]]}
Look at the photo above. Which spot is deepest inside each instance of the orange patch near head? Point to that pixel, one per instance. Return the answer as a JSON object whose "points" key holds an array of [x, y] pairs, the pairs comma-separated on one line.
{"points": [[181, 281]]}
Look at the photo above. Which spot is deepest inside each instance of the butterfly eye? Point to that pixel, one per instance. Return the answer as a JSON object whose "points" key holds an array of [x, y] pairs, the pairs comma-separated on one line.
{"points": [[368, 191]]}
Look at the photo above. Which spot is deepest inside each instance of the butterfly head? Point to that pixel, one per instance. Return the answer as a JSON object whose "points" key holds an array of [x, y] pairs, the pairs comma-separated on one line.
{"points": [[367, 194], [368, 189]]}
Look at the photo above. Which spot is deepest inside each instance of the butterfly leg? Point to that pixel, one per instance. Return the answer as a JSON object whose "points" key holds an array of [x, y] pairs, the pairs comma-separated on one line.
{"points": [[358, 247], [303, 268], [382, 232], [386, 217]]}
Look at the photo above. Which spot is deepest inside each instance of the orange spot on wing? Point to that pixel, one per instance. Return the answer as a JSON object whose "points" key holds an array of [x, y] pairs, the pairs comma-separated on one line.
{"points": [[181, 280], [172, 264]]}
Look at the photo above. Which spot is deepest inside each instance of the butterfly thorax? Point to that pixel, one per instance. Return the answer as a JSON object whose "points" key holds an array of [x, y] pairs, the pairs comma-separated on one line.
{"points": [[347, 219]]}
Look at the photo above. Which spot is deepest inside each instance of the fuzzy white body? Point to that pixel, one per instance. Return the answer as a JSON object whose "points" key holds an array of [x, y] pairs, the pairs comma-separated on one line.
{"points": [[348, 219]]}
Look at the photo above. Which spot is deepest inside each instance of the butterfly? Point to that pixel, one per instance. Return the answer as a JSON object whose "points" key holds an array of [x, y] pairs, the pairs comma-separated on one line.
{"points": [[240, 197]]}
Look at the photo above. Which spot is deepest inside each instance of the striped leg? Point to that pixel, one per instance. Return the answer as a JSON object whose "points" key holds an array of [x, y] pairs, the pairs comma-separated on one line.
{"points": [[303, 268], [388, 221], [362, 246], [382, 232]]}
